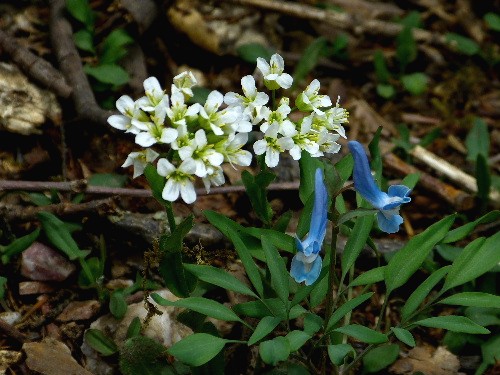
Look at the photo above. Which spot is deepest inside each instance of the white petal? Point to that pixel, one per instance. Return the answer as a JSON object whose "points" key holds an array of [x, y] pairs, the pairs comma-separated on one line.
{"points": [[312, 88], [295, 152], [278, 61], [214, 101], [248, 86], [215, 158], [151, 155], [285, 80], [124, 103], [188, 166], [119, 122], [261, 99], [168, 135], [145, 139], [200, 138], [145, 104], [260, 147], [171, 190], [151, 85], [272, 158], [164, 167], [188, 193], [263, 66], [231, 98], [243, 158]]}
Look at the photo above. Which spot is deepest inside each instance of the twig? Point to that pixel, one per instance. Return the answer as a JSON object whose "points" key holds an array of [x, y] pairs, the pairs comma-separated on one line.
{"points": [[12, 331], [69, 60], [449, 170], [35, 67], [16, 213], [80, 186], [457, 198], [344, 21]]}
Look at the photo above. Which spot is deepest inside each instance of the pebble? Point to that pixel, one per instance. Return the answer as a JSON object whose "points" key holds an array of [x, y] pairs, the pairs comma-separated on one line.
{"points": [[34, 287], [79, 310], [42, 263]]}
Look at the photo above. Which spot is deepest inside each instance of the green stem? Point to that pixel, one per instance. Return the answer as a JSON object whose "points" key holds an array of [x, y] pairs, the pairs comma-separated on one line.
{"points": [[170, 216], [331, 272], [382, 312]]}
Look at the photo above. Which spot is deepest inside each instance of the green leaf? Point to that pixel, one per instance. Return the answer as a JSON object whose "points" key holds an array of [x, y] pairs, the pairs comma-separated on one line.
{"points": [[283, 221], [251, 51], [305, 218], [385, 90], [202, 305], [369, 277], [108, 73], [227, 227], [107, 179], [453, 323], [461, 232], [422, 291], [312, 323], [381, 71], [492, 20], [18, 246], [265, 326], [359, 212], [268, 307], [483, 316], [297, 339], [39, 199], [462, 44], [308, 166], [197, 349], [98, 341], [156, 183], [84, 40], [404, 336], [362, 333], [319, 290], [477, 258], [257, 193], [117, 305], [143, 355], [415, 83], [338, 352], [81, 11], [347, 307], [59, 236], [356, 242], [406, 48], [3, 285], [483, 178], [219, 277], [490, 351], [412, 19], [379, 358], [275, 350], [407, 260], [114, 46], [200, 95], [277, 267], [478, 140], [309, 59], [477, 299], [376, 157], [411, 180], [134, 328], [281, 240]]}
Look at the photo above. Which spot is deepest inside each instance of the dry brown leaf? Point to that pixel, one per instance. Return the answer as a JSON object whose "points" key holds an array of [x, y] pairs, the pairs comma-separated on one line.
{"points": [[427, 361]]}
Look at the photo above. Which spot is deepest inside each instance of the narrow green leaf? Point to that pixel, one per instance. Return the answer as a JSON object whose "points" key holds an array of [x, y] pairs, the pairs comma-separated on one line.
{"points": [[309, 59], [461, 232], [356, 242], [422, 291], [108, 73], [275, 350], [305, 218], [18, 245], [362, 333], [156, 182], [279, 273], [477, 258], [297, 339], [84, 40], [347, 307], [338, 352], [312, 323], [98, 341], [404, 336], [381, 71], [407, 260], [107, 179], [308, 166], [117, 305], [114, 46], [3, 285], [265, 326], [493, 22], [359, 212], [197, 349], [255, 187], [462, 44], [251, 51], [453, 323], [483, 178], [281, 240], [59, 236], [202, 305], [134, 328], [478, 140], [379, 358], [369, 277], [219, 277], [415, 83], [81, 10], [477, 299], [406, 48]]}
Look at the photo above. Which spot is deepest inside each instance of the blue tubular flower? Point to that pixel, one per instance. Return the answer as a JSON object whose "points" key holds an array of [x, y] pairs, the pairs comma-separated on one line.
{"points": [[388, 203], [306, 264]]}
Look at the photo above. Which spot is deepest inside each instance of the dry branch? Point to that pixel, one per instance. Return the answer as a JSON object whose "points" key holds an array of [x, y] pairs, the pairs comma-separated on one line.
{"points": [[35, 67], [61, 35]]}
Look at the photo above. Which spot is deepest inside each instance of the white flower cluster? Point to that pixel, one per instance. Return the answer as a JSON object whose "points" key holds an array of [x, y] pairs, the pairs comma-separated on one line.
{"points": [[201, 138]]}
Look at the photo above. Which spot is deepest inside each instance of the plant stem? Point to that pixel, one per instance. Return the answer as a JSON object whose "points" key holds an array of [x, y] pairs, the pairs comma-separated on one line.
{"points": [[382, 312], [331, 272], [170, 217]]}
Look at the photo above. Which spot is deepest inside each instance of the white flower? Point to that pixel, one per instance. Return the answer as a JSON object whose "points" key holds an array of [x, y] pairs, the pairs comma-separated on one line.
{"points": [[309, 100], [155, 131], [219, 121], [232, 150], [203, 154], [327, 143], [179, 112], [280, 117], [154, 95], [252, 101], [335, 117], [274, 78], [304, 140], [214, 177], [179, 180], [272, 146], [184, 83], [130, 112], [139, 160]]}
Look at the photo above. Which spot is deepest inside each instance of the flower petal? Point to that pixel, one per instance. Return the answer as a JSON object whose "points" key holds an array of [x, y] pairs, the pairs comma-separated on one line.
{"points": [[188, 193], [389, 223], [164, 167]]}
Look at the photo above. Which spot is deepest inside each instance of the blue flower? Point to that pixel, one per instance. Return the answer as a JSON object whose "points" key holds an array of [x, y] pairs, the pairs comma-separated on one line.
{"points": [[306, 264], [388, 203]]}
